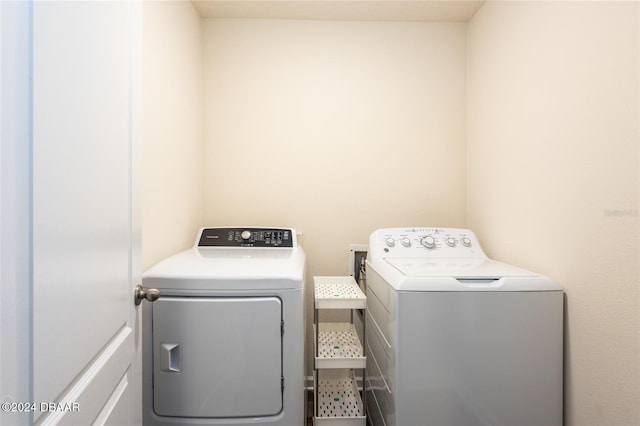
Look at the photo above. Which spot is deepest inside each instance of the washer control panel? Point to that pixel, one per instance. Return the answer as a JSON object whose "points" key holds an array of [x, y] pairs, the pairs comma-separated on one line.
{"points": [[424, 242], [247, 237]]}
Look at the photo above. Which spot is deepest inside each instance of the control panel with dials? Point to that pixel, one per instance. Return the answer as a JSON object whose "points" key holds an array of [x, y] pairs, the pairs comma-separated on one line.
{"points": [[424, 242], [247, 237]]}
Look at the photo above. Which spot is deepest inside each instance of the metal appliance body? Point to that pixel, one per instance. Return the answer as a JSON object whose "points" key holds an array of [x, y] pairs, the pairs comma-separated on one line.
{"points": [[223, 344], [455, 338]]}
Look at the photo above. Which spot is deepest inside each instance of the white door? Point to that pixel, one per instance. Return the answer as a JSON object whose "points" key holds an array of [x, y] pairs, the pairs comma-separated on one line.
{"points": [[83, 228]]}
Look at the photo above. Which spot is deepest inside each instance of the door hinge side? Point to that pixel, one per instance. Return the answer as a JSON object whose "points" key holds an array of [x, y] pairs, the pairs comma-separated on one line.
{"points": [[282, 384], [282, 328]]}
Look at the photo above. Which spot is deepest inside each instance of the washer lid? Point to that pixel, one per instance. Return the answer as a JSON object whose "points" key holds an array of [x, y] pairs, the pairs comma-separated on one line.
{"points": [[468, 268]]}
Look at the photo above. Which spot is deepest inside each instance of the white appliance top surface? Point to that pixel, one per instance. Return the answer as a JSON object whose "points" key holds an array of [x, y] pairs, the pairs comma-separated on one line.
{"points": [[229, 268], [231, 263], [444, 259], [459, 268]]}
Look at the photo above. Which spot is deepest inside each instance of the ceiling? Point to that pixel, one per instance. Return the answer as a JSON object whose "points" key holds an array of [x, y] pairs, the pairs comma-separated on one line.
{"points": [[348, 10]]}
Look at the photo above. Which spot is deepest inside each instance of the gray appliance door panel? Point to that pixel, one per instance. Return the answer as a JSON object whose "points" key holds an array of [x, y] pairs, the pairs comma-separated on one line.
{"points": [[479, 358], [217, 357]]}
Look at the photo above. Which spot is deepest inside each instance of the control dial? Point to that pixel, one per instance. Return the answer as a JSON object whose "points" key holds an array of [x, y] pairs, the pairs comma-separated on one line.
{"points": [[428, 241], [406, 242], [451, 242], [390, 242], [466, 242], [246, 234]]}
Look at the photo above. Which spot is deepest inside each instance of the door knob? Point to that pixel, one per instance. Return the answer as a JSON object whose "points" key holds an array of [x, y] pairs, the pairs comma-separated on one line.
{"points": [[140, 293]]}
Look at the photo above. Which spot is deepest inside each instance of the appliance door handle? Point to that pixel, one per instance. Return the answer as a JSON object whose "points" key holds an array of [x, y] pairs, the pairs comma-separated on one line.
{"points": [[171, 357]]}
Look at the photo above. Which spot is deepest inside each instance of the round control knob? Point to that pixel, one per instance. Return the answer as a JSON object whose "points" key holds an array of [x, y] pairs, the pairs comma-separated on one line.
{"points": [[246, 234], [466, 242], [390, 242], [451, 242], [428, 241], [406, 242]]}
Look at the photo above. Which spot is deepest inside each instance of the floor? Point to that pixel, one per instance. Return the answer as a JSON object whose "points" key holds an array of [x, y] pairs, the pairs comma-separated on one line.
{"points": [[309, 409]]}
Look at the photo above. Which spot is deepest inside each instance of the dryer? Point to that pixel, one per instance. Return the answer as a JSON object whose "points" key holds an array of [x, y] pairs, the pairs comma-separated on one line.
{"points": [[455, 338], [224, 344]]}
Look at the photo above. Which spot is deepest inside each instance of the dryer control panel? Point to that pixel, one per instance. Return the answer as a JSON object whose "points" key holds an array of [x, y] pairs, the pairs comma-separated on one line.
{"points": [[247, 237], [424, 243]]}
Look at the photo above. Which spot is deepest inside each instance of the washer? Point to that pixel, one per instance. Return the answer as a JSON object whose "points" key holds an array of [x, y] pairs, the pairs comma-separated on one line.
{"points": [[224, 344], [455, 338]]}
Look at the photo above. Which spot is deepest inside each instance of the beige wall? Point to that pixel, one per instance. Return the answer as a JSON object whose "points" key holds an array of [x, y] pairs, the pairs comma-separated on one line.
{"points": [[553, 131], [172, 129], [522, 125], [335, 128]]}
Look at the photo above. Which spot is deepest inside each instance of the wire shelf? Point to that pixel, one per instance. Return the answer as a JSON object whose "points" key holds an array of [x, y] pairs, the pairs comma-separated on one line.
{"points": [[338, 293]]}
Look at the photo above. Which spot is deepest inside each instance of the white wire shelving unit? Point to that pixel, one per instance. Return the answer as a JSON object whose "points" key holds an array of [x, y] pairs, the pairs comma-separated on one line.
{"points": [[338, 352]]}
